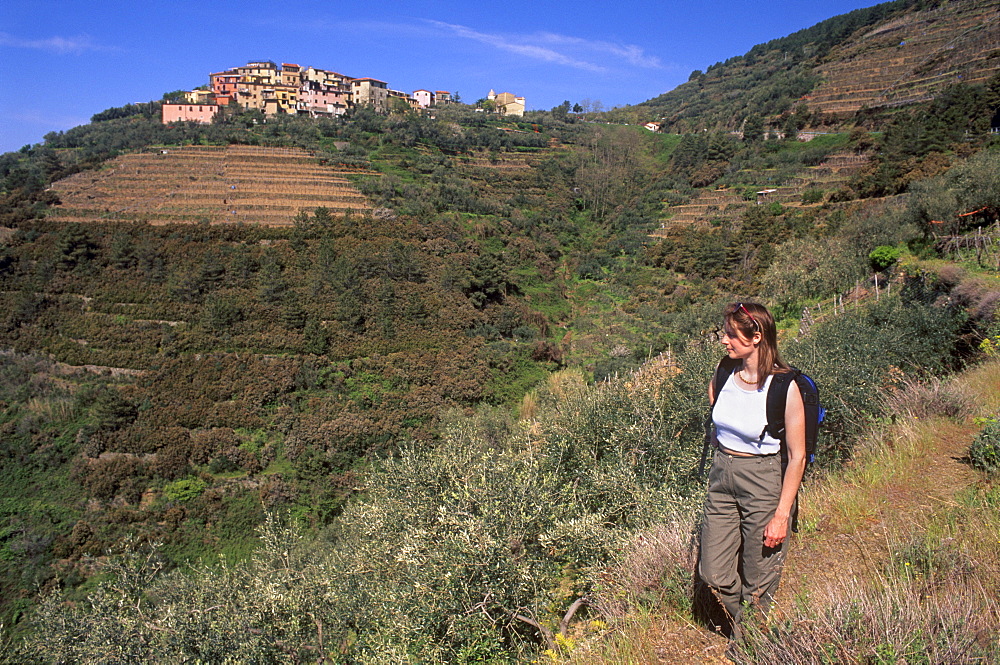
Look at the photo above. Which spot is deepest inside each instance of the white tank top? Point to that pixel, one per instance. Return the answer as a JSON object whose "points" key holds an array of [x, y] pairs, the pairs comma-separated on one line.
{"points": [[740, 416]]}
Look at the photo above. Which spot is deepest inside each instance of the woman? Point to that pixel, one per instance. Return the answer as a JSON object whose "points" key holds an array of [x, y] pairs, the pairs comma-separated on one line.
{"points": [[751, 499]]}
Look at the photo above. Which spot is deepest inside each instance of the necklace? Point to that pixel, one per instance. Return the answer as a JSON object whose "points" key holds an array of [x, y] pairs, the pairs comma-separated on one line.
{"points": [[744, 378]]}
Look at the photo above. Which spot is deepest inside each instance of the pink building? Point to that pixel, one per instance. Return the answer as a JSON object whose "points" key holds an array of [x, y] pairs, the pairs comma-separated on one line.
{"points": [[318, 99], [203, 113]]}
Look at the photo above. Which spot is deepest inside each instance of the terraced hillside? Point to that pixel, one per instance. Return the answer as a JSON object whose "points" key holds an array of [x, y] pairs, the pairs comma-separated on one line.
{"points": [[728, 203], [890, 55], [910, 59], [236, 183]]}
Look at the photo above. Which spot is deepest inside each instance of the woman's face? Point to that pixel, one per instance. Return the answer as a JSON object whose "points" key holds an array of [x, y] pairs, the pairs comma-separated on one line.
{"points": [[738, 345]]}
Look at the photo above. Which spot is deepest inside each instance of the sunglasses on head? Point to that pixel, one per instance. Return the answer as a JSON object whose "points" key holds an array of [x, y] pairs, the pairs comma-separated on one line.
{"points": [[755, 323]]}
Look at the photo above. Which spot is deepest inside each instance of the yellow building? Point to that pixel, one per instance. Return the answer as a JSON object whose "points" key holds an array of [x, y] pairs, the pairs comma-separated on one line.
{"points": [[290, 74], [507, 104], [326, 78], [269, 98], [199, 96], [264, 73]]}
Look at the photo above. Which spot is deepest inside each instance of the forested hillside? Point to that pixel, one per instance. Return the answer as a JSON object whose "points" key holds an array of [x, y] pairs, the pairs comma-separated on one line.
{"points": [[443, 373]]}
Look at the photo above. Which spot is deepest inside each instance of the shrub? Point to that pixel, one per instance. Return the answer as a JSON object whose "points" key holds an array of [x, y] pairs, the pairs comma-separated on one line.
{"points": [[113, 411], [222, 464], [855, 356], [184, 489], [804, 269], [984, 453], [270, 610], [486, 545], [883, 257], [811, 196]]}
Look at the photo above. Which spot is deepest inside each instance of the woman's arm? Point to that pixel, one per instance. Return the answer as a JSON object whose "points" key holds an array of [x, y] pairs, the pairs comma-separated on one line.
{"points": [[795, 438]]}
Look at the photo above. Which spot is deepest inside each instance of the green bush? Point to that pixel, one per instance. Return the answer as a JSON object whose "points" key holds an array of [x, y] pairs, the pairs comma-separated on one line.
{"points": [[984, 453], [472, 551], [883, 257], [812, 196], [184, 489], [478, 548], [804, 269], [855, 356]]}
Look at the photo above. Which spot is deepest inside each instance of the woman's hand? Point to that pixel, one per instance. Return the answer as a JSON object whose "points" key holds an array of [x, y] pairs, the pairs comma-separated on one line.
{"points": [[776, 531]]}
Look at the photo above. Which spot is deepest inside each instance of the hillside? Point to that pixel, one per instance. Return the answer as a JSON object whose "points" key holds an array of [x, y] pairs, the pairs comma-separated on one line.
{"points": [[572, 528], [417, 347], [909, 59], [876, 59]]}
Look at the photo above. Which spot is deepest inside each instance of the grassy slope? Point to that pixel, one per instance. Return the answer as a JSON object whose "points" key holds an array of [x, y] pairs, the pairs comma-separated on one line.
{"points": [[905, 540]]}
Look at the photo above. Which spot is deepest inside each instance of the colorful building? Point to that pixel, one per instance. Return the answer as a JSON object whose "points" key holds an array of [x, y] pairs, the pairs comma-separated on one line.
{"points": [[290, 74], [261, 73], [225, 85], [293, 89], [201, 113], [316, 99]]}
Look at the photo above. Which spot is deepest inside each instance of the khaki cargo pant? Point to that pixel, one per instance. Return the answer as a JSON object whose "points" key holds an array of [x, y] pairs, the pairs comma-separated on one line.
{"points": [[742, 496]]}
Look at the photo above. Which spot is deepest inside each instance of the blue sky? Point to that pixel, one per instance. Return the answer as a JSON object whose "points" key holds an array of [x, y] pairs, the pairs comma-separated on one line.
{"points": [[64, 61]]}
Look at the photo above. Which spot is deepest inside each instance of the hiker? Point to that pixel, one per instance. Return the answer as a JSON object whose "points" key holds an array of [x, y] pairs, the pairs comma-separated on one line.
{"points": [[751, 500]]}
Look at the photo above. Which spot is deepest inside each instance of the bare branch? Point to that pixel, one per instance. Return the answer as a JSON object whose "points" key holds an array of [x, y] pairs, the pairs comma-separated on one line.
{"points": [[564, 624], [546, 634]]}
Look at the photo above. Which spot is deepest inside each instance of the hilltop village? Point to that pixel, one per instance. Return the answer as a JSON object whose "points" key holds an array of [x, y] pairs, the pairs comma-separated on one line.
{"points": [[293, 89]]}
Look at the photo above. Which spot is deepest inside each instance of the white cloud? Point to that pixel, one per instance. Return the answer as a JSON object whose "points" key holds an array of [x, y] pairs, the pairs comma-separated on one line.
{"points": [[558, 49], [630, 53], [58, 45]]}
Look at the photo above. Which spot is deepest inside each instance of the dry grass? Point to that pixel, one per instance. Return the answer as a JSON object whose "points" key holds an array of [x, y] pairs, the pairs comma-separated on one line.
{"points": [[565, 382], [980, 385], [894, 459], [858, 494], [917, 400], [892, 619], [654, 571], [899, 563], [930, 596], [54, 409]]}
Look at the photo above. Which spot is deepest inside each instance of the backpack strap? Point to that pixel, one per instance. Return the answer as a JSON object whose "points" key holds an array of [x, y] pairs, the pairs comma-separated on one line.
{"points": [[723, 370], [777, 396]]}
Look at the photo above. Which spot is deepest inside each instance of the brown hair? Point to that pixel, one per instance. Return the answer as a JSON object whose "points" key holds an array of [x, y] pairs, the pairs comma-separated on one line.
{"points": [[746, 318]]}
